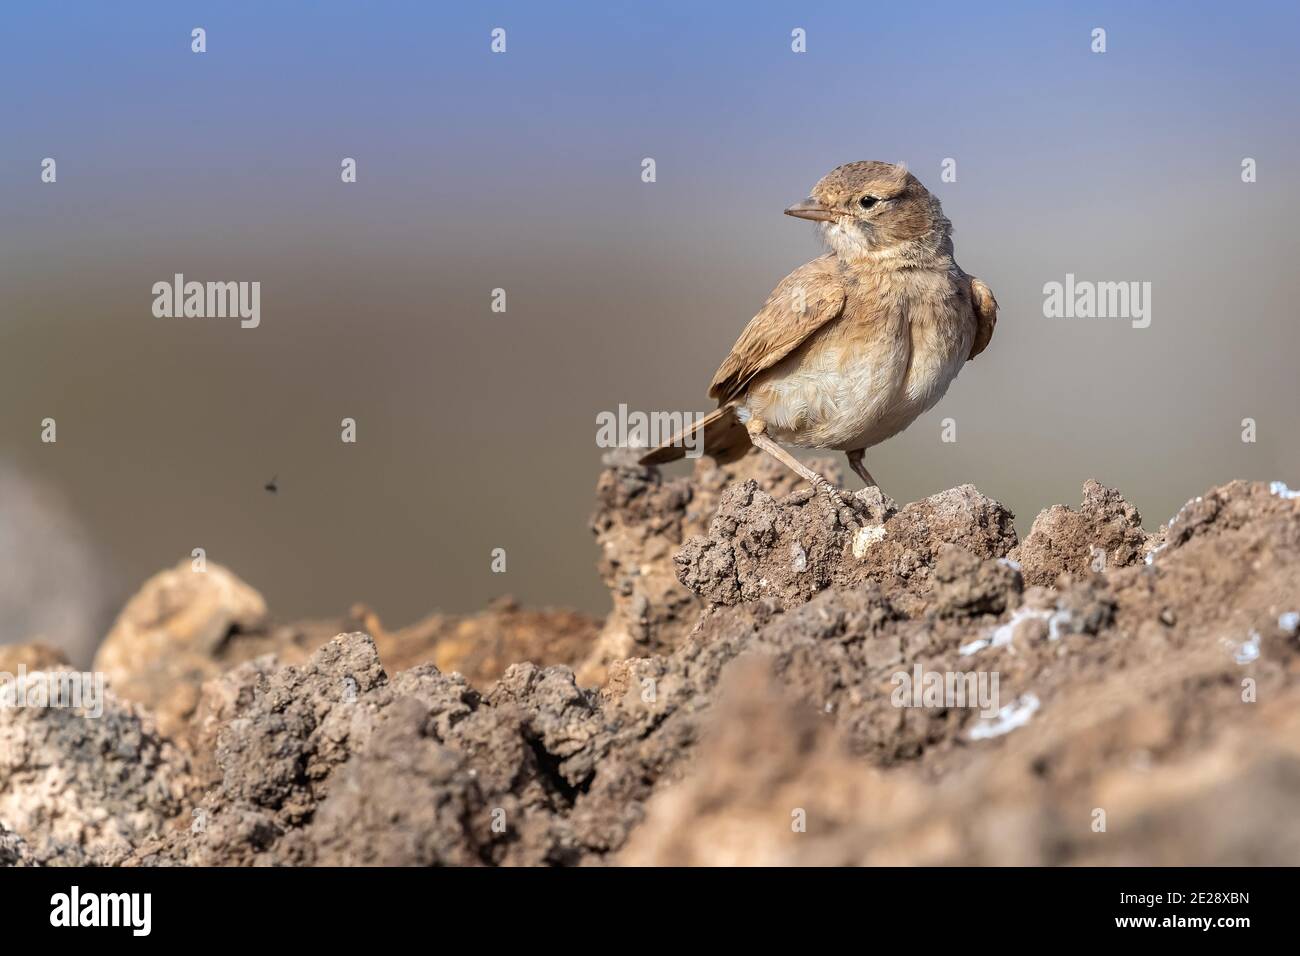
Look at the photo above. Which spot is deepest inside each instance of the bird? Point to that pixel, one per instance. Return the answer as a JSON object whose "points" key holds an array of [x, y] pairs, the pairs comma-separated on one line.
{"points": [[852, 347]]}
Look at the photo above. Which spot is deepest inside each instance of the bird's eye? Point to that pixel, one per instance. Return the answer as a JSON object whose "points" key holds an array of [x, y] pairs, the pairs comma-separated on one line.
{"points": [[866, 202]]}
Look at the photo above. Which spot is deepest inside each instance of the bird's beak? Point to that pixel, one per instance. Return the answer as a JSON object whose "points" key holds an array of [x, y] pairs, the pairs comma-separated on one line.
{"points": [[812, 209]]}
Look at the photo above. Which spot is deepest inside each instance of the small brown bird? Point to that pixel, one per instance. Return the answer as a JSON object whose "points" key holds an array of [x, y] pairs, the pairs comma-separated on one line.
{"points": [[851, 347]]}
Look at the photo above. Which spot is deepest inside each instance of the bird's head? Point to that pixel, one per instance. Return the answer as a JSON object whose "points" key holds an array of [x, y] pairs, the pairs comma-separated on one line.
{"points": [[871, 209]]}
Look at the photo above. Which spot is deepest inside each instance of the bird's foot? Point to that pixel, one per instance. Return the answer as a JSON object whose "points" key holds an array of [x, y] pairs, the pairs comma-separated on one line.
{"points": [[845, 510]]}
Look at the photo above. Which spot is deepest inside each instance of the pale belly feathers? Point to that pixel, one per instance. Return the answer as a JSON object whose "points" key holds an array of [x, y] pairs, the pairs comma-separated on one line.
{"points": [[853, 385]]}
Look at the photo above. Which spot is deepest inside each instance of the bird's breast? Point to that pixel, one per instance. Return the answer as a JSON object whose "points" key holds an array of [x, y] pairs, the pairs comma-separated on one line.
{"points": [[869, 374]]}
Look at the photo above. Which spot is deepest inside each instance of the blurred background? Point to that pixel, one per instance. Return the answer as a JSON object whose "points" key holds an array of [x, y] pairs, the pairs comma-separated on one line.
{"points": [[522, 171]]}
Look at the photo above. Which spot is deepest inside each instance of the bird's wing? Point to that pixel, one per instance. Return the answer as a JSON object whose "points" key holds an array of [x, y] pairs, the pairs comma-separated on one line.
{"points": [[986, 315], [802, 302]]}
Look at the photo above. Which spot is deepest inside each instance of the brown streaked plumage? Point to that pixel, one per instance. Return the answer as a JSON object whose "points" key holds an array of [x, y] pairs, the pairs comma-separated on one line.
{"points": [[850, 348]]}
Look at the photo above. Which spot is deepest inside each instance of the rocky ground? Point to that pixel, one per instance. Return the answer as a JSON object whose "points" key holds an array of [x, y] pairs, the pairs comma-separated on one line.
{"points": [[741, 704]]}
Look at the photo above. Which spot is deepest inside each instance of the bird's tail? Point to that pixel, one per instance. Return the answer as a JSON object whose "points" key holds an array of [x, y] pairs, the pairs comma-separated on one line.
{"points": [[724, 440]]}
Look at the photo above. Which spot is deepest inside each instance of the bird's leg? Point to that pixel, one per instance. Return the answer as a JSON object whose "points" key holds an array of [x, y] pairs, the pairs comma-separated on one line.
{"points": [[855, 462], [758, 435]]}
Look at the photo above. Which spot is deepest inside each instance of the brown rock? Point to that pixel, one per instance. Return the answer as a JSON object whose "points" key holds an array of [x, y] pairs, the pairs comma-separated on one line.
{"points": [[481, 646], [1106, 532], [780, 727], [640, 523], [185, 628], [791, 549], [85, 789], [165, 641], [966, 586], [14, 850], [1144, 745], [34, 657]]}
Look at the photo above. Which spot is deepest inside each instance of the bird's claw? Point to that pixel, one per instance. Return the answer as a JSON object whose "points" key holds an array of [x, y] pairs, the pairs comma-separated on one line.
{"points": [[840, 505]]}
